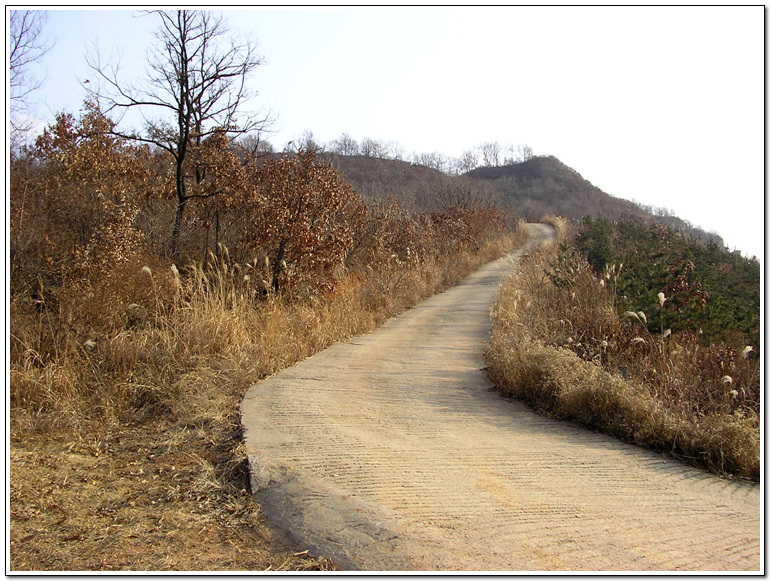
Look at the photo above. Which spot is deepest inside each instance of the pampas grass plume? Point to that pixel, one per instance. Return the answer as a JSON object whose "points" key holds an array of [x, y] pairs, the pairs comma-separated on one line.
{"points": [[746, 350]]}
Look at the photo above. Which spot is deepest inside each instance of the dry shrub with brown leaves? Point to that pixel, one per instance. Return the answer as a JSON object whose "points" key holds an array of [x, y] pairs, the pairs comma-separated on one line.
{"points": [[559, 344]]}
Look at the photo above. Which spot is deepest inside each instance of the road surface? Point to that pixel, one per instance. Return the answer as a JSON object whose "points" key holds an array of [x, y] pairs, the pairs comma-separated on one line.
{"points": [[391, 452]]}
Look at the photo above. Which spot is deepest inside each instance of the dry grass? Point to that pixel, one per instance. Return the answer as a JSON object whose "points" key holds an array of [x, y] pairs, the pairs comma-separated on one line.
{"points": [[559, 345], [561, 224], [138, 498], [126, 449]]}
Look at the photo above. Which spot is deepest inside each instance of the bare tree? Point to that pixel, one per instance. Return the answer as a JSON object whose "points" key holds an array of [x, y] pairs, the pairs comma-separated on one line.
{"points": [[517, 154], [525, 153], [196, 85], [490, 151], [252, 147], [397, 151], [345, 145], [374, 148], [468, 161], [435, 160], [26, 45], [307, 142], [369, 147], [459, 193]]}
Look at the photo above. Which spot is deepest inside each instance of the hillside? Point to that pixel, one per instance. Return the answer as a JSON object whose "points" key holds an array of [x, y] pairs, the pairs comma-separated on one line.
{"points": [[541, 185], [414, 186]]}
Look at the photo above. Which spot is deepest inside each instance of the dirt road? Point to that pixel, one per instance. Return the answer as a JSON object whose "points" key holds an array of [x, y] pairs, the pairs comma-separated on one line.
{"points": [[391, 452]]}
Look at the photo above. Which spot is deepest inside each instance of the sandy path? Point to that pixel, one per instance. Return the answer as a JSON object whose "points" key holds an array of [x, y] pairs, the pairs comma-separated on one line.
{"points": [[390, 452]]}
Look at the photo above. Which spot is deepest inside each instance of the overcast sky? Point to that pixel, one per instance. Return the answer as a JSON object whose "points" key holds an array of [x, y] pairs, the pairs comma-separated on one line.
{"points": [[662, 105]]}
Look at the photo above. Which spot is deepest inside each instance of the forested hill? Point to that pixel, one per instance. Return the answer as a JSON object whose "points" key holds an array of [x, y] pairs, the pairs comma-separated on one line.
{"points": [[535, 187], [546, 185], [378, 179]]}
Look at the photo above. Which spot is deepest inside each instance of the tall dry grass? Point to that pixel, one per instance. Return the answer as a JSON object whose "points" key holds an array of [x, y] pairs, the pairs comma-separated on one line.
{"points": [[146, 340], [559, 344], [564, 228]]}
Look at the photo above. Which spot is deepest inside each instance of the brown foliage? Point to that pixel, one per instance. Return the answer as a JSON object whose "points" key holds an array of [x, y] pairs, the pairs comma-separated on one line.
{"points": [[73, 202], [309, 215]]}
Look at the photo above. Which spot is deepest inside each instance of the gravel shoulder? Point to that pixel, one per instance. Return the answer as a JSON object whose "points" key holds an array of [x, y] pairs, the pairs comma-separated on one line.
{"points": [[392, 452]]}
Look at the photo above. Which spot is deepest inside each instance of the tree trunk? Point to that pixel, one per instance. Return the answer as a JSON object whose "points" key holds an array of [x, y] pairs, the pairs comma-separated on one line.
{"points": [[177, 228], [277, 265], [181, 196]]}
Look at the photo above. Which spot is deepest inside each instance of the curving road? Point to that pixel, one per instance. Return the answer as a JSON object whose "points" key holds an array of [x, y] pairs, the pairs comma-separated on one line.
{"points": [[391, 452]]}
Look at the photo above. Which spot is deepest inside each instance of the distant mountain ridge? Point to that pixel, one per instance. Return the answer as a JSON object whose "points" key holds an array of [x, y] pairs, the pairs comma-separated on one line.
{"points": [[533, 188]]}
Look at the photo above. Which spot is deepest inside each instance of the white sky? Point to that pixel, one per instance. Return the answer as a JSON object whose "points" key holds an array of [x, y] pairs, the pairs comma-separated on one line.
{"points": [[662, 105]]}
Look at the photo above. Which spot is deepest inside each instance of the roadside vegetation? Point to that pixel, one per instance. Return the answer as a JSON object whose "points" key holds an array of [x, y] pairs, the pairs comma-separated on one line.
{"points": [[155, 273], [641, 333], [129, 356]]}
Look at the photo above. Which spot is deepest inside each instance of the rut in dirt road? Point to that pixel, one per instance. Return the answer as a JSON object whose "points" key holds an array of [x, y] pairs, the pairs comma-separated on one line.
{"points": [[391, 452]]}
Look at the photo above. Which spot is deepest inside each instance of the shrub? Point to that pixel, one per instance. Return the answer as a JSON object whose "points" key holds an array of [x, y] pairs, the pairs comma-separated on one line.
{"points": [[559, 344], [708, 290]]}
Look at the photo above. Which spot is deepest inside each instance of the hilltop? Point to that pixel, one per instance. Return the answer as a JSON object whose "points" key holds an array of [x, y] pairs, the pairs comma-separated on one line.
{"points": [[533, 188], [543, 185]]}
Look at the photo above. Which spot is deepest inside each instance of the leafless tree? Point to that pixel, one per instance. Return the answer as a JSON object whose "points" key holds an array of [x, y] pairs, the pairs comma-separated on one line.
{"points": [[490, 151], [345, 145], [374, 148], [26, 45], [517, 153], [307, 142], [397, 151], [368, 147], [525, 153], [468, 161], [252, 147], [435, 160], [459, 193], [196, 87]]}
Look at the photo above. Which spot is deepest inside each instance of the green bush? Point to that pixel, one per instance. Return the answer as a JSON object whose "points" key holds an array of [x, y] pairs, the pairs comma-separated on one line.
{"points": [[707, 290]]}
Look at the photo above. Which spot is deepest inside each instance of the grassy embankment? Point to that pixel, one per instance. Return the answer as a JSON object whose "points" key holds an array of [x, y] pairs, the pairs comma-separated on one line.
{"points": [[560, 344]]}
